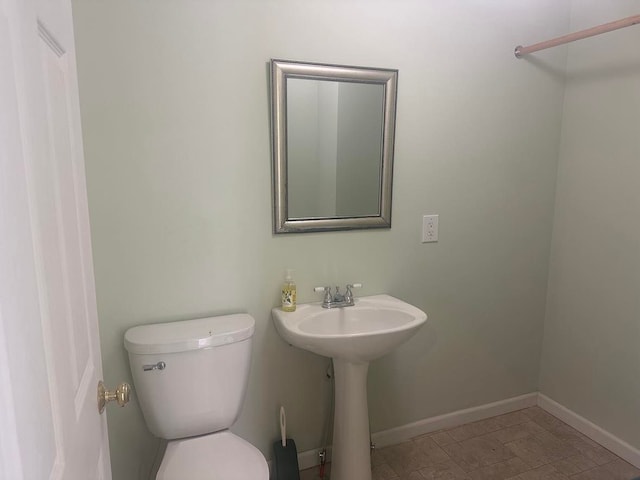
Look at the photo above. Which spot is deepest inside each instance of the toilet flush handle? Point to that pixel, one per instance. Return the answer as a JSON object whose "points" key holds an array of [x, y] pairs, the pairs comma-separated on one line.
{"points": [[155, 366]]}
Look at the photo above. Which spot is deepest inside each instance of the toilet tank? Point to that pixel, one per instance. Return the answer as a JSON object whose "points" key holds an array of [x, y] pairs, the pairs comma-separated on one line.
{"points": [[190, 377]]}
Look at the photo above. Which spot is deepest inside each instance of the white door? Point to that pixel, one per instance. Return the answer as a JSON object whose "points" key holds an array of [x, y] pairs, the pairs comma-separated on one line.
{"points": [[50, 427]]}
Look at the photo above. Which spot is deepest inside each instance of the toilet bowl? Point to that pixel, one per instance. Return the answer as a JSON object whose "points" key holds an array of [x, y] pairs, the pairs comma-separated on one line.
{"points": [[220, 455], [191, 378]]}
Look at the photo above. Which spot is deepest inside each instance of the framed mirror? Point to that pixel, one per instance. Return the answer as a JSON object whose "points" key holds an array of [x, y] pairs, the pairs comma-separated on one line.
{"points": [[333, 134]]}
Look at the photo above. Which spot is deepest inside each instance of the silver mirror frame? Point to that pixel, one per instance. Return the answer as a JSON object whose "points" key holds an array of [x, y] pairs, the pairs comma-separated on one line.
{"points": [[281, 70]]}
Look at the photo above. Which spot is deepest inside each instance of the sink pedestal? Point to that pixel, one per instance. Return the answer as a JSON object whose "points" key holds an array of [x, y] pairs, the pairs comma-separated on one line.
{"points": [[351, 451]]}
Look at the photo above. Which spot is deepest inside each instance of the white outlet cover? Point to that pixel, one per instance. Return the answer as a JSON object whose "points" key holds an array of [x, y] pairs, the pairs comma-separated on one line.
{"points": [[429, 228]]}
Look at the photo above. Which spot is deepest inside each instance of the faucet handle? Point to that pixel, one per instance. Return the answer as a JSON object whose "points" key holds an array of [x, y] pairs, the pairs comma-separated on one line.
{"points": [[349, 295], [327, 293]]}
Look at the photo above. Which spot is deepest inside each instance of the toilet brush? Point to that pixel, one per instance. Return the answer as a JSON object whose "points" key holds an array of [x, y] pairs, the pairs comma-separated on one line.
{"points": [[285, 454]]}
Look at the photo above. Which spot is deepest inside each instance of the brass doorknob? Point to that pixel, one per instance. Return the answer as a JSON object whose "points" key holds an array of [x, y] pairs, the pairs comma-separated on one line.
{"points": [[119, 395]]}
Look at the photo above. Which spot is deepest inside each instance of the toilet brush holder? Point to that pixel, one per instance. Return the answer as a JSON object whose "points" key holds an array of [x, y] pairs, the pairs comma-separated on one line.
{"points": [[285, 454]]}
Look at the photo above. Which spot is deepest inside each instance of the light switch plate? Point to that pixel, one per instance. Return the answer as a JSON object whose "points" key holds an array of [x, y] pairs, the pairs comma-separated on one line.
{"points": [[429, 228]]}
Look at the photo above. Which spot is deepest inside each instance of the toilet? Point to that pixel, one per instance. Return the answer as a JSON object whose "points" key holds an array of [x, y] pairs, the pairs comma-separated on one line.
{"points": [[190, 378]]}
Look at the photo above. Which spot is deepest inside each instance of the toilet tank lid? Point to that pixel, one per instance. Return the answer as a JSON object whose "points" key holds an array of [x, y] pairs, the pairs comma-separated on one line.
{"points": [[173, 337]]}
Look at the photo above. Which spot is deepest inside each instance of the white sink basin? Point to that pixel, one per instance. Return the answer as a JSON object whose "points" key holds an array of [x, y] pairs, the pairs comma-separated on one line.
{"points": [[371, 328], [352, 336]]}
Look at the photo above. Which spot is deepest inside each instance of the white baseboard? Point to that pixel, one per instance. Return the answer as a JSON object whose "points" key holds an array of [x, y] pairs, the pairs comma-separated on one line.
{"points": [[403, 433], [591, 430], [453, 419]]}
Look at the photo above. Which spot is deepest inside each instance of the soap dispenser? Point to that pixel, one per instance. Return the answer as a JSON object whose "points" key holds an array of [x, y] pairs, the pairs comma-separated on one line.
{"points": [[289, 292]]}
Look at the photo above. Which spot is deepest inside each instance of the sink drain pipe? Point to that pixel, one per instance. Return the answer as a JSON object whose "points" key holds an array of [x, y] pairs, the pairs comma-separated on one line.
{"points": [[328, 422]]}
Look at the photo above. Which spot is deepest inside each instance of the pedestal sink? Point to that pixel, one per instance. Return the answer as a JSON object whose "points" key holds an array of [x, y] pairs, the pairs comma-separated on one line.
{"points": [[352, 337]]}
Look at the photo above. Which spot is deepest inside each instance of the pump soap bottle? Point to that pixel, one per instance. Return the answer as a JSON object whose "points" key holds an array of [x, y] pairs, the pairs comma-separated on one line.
{"points": [[289, 292]]}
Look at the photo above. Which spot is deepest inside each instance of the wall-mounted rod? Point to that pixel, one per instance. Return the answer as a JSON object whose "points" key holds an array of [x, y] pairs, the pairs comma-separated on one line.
{"points": [[572, 37]]}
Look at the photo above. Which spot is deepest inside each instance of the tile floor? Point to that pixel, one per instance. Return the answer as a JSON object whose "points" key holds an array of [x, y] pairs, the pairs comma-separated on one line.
{"points": [[529, 444]]}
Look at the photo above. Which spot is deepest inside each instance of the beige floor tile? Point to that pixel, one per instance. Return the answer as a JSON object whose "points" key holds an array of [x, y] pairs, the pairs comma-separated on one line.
{"points": [[553, 443], [433, 452], [500, 471], [410, 476], [474, 429], [616, 470], [377, 457], [621, 469], [478, 452], [574, 464], [587, 447], [598, 454], [542, 418], [401, 450], [570, 434], [442, 438], [546, 472], [382, 472], [516, 432], [513, 418], [448, 470], [541, 449], [412, 463]]}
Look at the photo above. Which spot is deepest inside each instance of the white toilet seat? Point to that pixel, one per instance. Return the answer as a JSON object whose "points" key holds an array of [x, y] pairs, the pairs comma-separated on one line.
{"points": [[218, 456]]}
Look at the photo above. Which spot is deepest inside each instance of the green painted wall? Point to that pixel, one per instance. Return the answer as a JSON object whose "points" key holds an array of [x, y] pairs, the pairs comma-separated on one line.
{"points": [[591, 359], [175, 110]]}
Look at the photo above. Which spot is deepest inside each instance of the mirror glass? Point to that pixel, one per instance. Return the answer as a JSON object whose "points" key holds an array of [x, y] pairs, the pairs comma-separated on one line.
{"points": [[334, 148], [333, 132]]}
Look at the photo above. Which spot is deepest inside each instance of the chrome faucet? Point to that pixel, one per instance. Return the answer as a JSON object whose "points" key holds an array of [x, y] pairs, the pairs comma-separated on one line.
{"points": [[338, 299]]}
